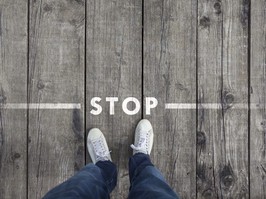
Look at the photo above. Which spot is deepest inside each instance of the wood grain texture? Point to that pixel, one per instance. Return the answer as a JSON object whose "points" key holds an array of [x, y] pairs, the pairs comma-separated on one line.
{"points": [[258, 97], [233, 160], [13, 89], [222, 163], [209, 129], [170, 76], [204, 155], [56, 75], [114, 70]]}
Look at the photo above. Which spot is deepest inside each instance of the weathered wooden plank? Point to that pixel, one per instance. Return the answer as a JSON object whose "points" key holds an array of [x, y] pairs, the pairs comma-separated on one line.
{"points": [[56, 75], [114, 70], [222, 164], [170, 76], [258, 98], [13, 89], [233, 160], [209, 91]]}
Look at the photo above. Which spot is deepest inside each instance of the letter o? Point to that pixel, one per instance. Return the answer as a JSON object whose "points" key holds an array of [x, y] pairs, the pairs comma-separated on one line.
{"points": [[131, 99]]}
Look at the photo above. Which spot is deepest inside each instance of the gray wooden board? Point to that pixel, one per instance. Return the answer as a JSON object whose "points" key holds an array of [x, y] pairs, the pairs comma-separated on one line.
{"points": [[258, 98], [222, 164], [209, 91], [170, 76], [114, 44], [114, 70], [56, 75], [233, 158], [13, 89]]}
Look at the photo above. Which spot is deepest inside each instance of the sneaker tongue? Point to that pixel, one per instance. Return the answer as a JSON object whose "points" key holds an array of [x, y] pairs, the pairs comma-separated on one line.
{"points": [[102, 156]]}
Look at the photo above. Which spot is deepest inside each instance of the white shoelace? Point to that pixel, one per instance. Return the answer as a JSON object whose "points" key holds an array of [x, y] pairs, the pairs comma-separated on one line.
{"points": [[142, 145], [100, 150]]}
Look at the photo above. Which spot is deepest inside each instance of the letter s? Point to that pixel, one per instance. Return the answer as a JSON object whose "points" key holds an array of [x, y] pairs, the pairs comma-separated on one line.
{"points": [[95, 105]]}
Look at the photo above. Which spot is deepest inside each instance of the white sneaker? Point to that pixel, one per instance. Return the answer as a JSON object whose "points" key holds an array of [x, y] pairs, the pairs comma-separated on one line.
{"points": [[143, 138], [97, 146]]}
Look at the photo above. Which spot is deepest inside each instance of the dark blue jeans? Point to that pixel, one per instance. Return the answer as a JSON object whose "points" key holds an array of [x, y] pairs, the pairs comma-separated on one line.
{"points": [[97, 182]]}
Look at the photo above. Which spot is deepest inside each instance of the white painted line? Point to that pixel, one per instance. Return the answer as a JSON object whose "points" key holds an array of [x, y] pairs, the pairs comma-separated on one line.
{"points": [[180, 106], [212, 106], [41, 106], [167, 106]]}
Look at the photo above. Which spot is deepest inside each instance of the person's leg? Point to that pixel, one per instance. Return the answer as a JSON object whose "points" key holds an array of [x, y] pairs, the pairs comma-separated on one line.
{"points": [[146, 181], [94, 181]]}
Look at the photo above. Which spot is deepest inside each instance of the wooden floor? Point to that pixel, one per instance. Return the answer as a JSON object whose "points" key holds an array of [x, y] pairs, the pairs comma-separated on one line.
{"points": [[209, 56]]}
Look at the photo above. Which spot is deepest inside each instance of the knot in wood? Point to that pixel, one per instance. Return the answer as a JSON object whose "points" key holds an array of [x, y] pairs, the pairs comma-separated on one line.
{"points": [[227, 176], [47, 8], [40, 85], [217, 8], [201, 168], [228, 100], [263, 124], [201, 138], [228, 180], [16, 156], [205, 22]]}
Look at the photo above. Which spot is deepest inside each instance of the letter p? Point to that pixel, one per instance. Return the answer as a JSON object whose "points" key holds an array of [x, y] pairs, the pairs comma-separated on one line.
{"points": [[151, 102]]}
